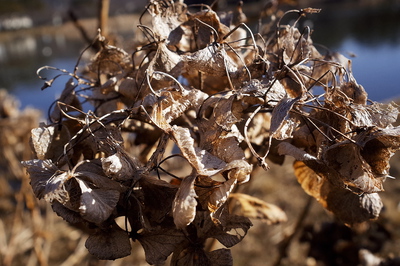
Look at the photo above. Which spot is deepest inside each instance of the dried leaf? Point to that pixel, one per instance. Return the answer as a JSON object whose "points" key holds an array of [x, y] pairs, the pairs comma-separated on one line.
{"points": [[195, 256], [358, 208], [202, 161], [310, 181], [220, 257], [252, 207], [67, 214], [41, 138]]}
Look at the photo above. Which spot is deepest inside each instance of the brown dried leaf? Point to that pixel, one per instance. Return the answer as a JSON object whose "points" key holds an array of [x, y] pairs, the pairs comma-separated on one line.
{"points": [[252, 207], [110, 59], [220, 257], [309, 180], [184, 205], [47, 141], [354, 91], [166, 16], [109, 244], [67, 214], [41, 138], [165, 61], [228, 229], [92, 173]]}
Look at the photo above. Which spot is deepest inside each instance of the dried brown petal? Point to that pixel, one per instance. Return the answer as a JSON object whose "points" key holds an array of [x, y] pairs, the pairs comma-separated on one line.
{"points": [[279, 122], [159, 244], [352, 167], [47, 180], [358, 208], [97, 204], [109, 244], [119, 166], [184, 205], [235, 229], [211, 61], [350, 208], [158, 198], [220, 195]]}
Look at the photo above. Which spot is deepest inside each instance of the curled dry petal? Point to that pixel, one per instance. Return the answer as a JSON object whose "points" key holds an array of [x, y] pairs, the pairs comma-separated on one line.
{"points": [[184, 205], [220, 195], [202, 161], [41, 138], [279, 118]]}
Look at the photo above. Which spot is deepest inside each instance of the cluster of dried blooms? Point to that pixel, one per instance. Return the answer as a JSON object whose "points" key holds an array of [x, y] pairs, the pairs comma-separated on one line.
{"points": [[227, 99]]}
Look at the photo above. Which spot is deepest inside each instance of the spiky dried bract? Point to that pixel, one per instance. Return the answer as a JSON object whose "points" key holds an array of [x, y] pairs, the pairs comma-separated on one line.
{"points": [[184, 119]]}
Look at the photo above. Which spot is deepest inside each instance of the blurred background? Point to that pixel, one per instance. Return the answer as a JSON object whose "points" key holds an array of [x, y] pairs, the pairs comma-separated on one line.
{"points": [[36, 33]]}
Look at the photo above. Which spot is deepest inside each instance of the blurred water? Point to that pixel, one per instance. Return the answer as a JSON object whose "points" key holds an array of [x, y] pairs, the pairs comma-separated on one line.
{"points": [[372, 35], [22, 55]]}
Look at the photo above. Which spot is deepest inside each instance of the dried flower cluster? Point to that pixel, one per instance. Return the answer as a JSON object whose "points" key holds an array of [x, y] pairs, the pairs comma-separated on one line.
{"points": [[228, 99]]}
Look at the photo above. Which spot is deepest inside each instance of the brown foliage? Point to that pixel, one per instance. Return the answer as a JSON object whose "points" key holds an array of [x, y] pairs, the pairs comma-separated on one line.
{"points": [[196, 85]]}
